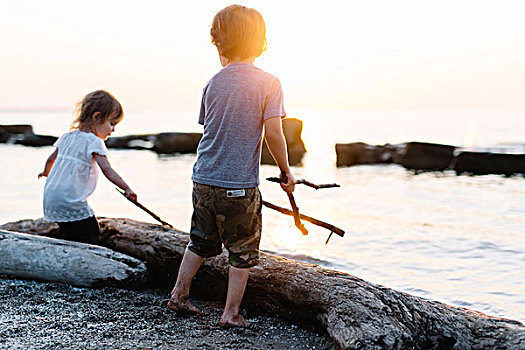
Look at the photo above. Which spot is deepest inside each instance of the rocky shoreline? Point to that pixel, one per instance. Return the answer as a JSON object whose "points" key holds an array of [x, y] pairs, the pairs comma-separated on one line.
{"points": [[43, 315], [505, 160], [163, 143]]}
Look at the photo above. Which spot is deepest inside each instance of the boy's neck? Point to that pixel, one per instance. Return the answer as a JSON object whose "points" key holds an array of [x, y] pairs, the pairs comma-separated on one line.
{"points": [[226, 61]]}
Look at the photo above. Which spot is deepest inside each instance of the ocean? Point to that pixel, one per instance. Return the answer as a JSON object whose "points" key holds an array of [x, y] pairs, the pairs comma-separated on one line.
{"points": [[456, 239]]}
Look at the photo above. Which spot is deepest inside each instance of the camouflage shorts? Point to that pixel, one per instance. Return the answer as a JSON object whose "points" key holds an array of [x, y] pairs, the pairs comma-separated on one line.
{"points": [[226, 216]]}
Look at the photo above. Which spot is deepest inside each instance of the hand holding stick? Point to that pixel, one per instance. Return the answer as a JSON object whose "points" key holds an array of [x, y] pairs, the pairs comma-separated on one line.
{"points": [[295, 210], [155, 216], [296, 216]]}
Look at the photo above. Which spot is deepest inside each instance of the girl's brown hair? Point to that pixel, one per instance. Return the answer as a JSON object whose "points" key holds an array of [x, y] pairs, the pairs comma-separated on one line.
{"points": [[97, 101], [238, 31]]}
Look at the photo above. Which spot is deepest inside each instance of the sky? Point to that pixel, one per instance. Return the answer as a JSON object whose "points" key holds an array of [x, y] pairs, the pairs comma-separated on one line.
{"points": [[376, 55]]}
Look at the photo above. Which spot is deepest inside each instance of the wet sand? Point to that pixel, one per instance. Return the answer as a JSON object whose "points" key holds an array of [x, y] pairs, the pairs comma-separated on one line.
{"points": [[41, 315]]}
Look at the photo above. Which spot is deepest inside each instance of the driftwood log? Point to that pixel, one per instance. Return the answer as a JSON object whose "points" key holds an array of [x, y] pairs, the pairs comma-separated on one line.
{"points": [[356, 314], [35, 257]]}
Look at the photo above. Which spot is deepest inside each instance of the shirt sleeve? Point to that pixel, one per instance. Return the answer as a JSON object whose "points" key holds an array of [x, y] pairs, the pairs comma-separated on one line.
{"points": [[60, 141], [274, 106], [202, 113], [96, 145]]}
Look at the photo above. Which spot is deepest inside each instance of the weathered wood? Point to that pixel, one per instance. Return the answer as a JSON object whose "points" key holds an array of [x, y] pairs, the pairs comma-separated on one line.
{"points": [[304, 182], [356, 314], [285, 211], [36, 227], [43, 258]]}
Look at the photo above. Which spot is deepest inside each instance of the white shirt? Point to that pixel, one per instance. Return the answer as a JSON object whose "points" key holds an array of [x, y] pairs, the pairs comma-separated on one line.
{"points": [[73, 177]]}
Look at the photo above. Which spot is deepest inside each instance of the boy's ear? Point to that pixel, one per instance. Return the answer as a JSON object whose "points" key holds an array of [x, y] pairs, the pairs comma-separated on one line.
{"points": [[95, 116]]}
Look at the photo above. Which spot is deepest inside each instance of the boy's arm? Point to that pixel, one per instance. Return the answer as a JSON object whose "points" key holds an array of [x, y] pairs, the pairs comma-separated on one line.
{"points": [[113, 176], [277, 146], [49, 164]]}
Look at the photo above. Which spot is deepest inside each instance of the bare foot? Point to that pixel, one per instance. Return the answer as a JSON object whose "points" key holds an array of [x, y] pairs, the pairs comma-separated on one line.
{"points": [[235, 321], [183, 307]]}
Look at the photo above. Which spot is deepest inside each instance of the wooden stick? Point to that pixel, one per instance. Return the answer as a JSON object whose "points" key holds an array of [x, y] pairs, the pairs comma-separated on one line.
{"points": [[155, 216], [295, 208], [304, 182], [308, 183], [285, 211]]}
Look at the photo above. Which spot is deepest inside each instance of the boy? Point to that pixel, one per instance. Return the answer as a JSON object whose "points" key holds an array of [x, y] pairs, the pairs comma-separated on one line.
{"points": [[236, 103]]}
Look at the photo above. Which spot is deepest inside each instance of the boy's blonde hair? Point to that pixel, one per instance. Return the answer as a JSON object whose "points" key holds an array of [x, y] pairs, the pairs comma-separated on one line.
{"points": [[99, 101], [238, 31]]}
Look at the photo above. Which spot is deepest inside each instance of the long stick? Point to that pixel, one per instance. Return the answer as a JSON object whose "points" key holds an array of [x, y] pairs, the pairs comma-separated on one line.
{"points": [[155, 216], [285, 211], [304, 182]]}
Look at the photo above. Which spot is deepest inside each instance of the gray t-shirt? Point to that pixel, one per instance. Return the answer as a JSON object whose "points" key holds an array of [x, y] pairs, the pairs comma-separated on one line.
{"points": [[235, 104]]}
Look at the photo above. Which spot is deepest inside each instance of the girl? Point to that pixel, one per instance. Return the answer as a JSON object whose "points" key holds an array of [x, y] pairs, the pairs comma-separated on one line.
{"points": [[71, 170]]}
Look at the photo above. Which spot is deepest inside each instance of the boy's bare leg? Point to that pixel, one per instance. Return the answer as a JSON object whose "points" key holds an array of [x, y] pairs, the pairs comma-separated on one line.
{"points": [[237, 280], [179, 300]]}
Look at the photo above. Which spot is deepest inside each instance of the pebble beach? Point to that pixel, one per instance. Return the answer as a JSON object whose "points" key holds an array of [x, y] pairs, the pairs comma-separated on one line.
{"points": [[41, 315]]}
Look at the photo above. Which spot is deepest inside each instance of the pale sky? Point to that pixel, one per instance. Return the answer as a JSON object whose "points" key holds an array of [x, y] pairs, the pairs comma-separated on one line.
{"points": [[327, 54]]}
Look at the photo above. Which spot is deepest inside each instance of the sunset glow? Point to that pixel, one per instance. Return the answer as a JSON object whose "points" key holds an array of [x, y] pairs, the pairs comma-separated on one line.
{"points": [[338, 55]]}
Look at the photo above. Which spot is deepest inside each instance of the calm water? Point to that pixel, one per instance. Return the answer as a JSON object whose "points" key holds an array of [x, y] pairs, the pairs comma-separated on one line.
{"points": [[456, 239]]}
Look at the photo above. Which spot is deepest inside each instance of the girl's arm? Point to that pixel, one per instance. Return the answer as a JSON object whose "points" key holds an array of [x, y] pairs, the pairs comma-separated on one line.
{"points": [[113, 176], [49, 164], [277, 146]]}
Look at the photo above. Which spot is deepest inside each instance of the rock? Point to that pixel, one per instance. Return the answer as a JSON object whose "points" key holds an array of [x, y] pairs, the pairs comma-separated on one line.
{"points": [[177, 142], [23, 135], [296, 153], [354, 313], [292, 129], [12, 132], [42, 258], [140, 142], [425, 156], [482, 163], [356, 153], [35, 140], [16, 129], [504, 147]]}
